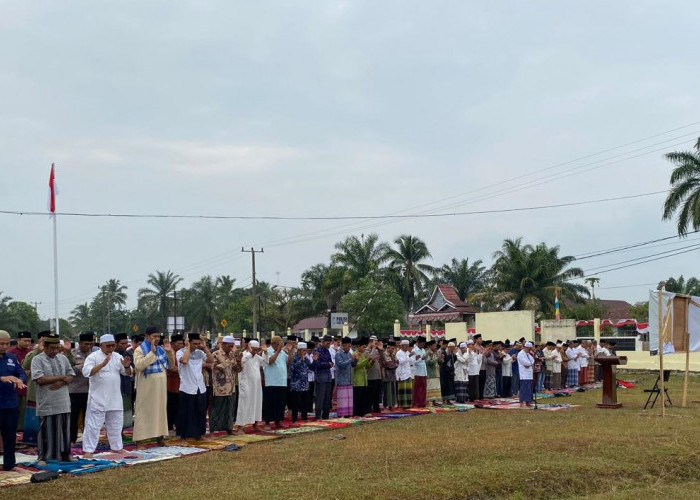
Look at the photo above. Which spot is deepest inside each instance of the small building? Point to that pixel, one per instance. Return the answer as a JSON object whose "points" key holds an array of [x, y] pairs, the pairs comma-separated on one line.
{"points": [[444, 306], [314, 325]]}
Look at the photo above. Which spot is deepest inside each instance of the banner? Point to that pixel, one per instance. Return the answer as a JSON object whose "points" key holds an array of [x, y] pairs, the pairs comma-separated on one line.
{"points": [[675, 309]]}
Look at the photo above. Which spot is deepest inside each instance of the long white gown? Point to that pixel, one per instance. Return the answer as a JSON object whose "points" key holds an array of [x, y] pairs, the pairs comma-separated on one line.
{"points": [[250, 390]]}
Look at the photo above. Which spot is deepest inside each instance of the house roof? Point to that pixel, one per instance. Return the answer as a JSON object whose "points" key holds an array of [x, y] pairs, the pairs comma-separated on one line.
{"points": [[445, 301], [314, 323], [616, 309]]}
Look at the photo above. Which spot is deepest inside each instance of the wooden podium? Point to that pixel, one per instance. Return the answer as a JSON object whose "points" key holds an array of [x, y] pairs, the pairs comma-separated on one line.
{"points": [[610, 380]]}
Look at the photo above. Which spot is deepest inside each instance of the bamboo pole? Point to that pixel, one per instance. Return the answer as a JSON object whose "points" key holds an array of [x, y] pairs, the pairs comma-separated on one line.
{"points": [[687, 353], [661, 350]]}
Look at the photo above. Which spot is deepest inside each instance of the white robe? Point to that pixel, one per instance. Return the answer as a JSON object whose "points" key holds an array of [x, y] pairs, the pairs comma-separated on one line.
{"points": [[249, 390]]}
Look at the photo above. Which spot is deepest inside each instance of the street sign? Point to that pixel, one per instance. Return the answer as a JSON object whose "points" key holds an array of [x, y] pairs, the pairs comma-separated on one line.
{"points": [[224, 323], [338, 320], [135, 328]]}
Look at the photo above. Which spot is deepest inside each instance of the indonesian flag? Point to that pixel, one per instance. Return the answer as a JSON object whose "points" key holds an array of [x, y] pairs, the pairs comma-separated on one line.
{"points": [[53, 191], [557, 313]]}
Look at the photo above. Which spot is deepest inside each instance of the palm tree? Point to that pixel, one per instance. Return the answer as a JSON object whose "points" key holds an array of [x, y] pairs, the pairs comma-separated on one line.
{"points": [[326, 284], [361, 257], [224, 291], [405, 261], [526, 277], [155, 298], [201, 304], [466, 278], [81, 317], [685, 190], [680, 285], [593, 281]]}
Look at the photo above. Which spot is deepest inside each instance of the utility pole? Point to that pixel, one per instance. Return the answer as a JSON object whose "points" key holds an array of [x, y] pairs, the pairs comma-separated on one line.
{"points": [[253, 301]]}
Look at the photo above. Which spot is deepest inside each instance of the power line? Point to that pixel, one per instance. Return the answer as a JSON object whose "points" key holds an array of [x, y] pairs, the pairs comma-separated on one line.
{"points": [[639, 263], [695, 245], [631, 246]]}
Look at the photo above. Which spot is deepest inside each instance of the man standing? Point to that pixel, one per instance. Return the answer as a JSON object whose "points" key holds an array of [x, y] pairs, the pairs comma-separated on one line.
{"points": [[299, 383], [53, 374], [150, 411], [172, 375], [405, 361], [526, 362], [24, 347], [360, 396], [224, 387], [474, 362], [192, 401], [343, 378], [582, 350], [30, 426], [12, 380], [420, 380], [250, 396], [432, 364], [105, 369], [126, 382], [275, 392], [321, 366], [389, 366], [80, 385], [374, 374], [572, 368]]}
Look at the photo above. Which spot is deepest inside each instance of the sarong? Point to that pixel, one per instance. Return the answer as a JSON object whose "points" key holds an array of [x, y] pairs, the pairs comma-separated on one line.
{"points": [[31, 424], [274, 402], [222, 413], [128, 408], [433, 392], [461, 391], [405, 393], [548, 379], [344, 395], [390, 394], [20, 417], [490, 386], [192, 415], [420, 387], [525, 391], [54, 437], [572, 377]]}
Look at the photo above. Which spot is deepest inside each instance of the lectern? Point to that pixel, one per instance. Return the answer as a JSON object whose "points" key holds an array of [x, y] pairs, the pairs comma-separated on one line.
{"points": [[610, 379]]}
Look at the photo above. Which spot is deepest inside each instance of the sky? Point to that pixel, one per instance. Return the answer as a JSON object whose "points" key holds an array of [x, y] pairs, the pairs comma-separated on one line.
{"points": [[333, 109]]}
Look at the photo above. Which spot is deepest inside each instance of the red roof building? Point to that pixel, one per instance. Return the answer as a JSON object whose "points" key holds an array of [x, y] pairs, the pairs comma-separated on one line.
{"points": [[444, 306]]}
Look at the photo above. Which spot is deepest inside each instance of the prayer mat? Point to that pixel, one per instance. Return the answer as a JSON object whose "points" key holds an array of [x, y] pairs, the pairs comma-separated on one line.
{"points": [[80, 466], [132, 458], [208, 445], [298, 430], [326, 424], [175, 450], [348, 420], [15, 477], [400, 415], [249, 438], [22, 458]]}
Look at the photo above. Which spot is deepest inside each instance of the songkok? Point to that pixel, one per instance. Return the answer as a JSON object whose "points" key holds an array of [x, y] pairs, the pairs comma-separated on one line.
{"points": [[391, 343], [346, 340], [420, 339], [550, 344], [87, 337], [528, 344], [254, 344], [470, 341], [4, 335], [429, 343], [463, 344], [43, 334], [119, 336], [355, 341], [327, 338], [301, 345], [451, 344], [152, 329], [24, 335], [477, 336], [405, 342], [311, 345], [51, 338], [177, 337], [107, 337], [364, 341], [193, 336], [291, 338], [228, 339]]}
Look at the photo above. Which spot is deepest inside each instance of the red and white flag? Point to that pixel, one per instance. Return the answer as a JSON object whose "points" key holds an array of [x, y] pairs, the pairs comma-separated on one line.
{"points": [[53, 191]]}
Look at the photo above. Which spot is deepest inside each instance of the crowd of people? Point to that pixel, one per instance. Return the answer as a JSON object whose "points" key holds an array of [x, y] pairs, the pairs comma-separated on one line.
{"points": [[51, 391]]}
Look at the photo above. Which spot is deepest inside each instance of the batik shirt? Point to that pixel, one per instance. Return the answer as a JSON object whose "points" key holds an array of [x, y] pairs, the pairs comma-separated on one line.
{"points": [[300, 374]]}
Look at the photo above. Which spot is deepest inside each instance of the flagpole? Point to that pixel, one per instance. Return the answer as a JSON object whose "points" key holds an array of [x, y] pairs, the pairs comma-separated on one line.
{"points": [[55, 276]]}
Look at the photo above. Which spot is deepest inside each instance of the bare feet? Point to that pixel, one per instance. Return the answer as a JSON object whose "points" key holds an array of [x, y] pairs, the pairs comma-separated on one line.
{"points": [[121, 452], [41, 463], [87, 455]]}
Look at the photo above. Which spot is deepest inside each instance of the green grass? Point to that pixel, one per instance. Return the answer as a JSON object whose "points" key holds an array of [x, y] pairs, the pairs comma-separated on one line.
{"points": [[585, 452]]}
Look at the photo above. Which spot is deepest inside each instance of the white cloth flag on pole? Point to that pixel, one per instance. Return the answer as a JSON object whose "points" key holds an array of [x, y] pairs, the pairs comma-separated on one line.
{"points": [[693, 312]]}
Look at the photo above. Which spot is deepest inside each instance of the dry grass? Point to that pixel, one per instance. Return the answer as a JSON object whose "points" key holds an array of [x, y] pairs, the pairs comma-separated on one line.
{"points": [[584, 452]]}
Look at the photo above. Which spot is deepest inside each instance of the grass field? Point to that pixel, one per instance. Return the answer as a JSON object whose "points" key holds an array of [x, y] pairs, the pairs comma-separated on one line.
{"points": [[584, 452]]}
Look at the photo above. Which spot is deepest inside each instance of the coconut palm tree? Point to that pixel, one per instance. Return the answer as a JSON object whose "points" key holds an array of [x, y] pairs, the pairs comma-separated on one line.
{"points": [[466, 278], [111, 294], [526, 277], [684, 197], [361, 257], [326, 285], [81, 317], [155, 298], [201, 304], [405, 262]]}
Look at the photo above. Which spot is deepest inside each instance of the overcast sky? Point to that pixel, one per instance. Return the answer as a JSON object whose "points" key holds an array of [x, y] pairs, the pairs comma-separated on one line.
{"points": [[336, 109]]}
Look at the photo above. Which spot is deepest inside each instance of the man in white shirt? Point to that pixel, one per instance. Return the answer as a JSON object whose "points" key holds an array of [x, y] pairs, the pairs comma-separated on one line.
{"points": [[192, 400], [474, 362], [582, 363], [104, 369], [406, 360], [526, 362], [572, 371]]}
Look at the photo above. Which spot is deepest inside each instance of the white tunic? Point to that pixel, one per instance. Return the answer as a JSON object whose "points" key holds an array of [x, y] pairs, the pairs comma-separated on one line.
{"points": [[461, 367], [582, 356], [474, 362], [191, 378], [572, 354], [249, 390], [507, 366], [406, 362], [525, 362], [105, 386]]}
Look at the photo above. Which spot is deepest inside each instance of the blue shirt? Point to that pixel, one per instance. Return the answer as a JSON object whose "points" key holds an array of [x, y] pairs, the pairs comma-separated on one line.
{"points": [[322, 366], [10, 367], [300, 374], [344, 362], [276, 373]]}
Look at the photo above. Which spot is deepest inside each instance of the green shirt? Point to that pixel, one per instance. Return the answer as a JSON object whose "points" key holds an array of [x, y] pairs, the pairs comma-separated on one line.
{"points": [[359, 371]]}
